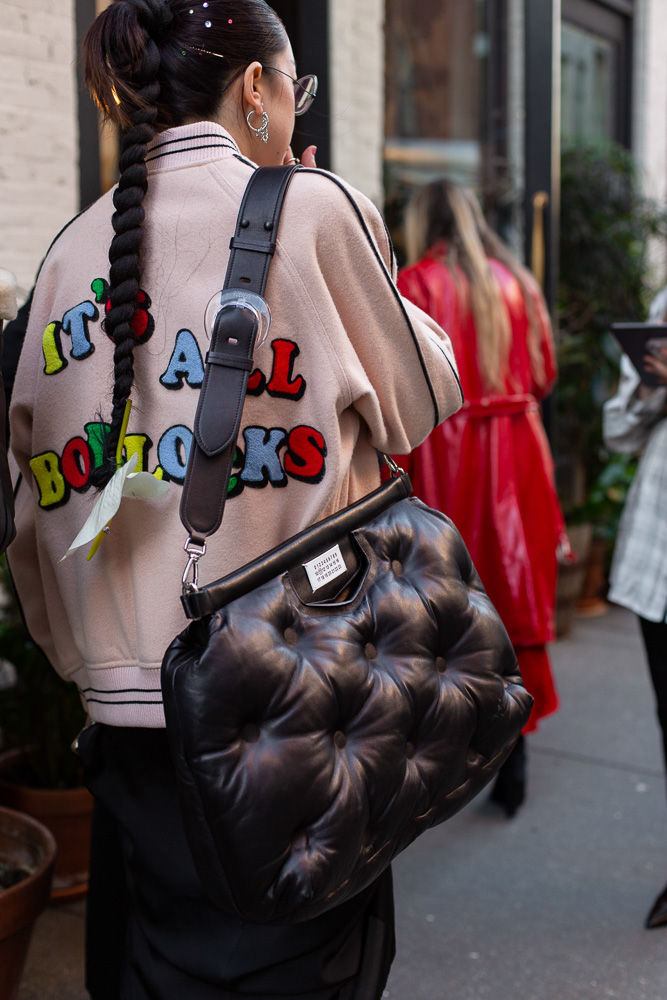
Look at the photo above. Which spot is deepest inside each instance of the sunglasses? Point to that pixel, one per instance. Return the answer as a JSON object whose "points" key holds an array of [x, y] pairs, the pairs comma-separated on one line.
{"points": [[305, 88]]}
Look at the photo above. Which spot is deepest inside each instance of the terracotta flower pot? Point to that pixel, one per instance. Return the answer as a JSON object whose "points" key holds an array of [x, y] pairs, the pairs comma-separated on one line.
{"points": [[26, 844], [68, 815]]}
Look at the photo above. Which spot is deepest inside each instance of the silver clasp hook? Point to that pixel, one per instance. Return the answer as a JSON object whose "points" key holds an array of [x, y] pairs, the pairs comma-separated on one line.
{"points": [[395, 470], [195, 552]]}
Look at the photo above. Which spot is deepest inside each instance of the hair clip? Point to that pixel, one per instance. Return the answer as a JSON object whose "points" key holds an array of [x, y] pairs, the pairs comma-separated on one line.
{"points": [[194, 48]]}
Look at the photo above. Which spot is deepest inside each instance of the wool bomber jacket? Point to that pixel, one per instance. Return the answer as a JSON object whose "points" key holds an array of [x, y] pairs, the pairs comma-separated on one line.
{"points": [[348, 367]]}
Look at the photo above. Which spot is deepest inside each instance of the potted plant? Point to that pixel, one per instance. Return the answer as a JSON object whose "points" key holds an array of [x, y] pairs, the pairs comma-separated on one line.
{"points": [[40, 715], [606, 228], [602, 511], [27, 852]]}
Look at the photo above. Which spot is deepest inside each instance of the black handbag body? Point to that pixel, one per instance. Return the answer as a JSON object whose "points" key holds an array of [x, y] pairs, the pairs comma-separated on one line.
{"points": [[335, 698]]}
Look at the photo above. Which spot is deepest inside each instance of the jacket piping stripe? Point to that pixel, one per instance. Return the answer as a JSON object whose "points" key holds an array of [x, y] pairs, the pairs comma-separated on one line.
{"points": [[122, 691], [243, 159], [397, 296], [190, 149], [391, 245], [100, 701], [53, 243], [193, 138]]}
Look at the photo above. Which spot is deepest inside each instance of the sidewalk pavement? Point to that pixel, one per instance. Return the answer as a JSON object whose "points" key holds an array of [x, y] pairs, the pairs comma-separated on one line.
{"points": [[546, 906]]}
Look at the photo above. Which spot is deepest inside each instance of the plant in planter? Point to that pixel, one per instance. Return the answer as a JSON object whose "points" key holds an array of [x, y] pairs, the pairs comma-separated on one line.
{"points": [[27, 852], [602, 511], [40, 715], [606, 228]]}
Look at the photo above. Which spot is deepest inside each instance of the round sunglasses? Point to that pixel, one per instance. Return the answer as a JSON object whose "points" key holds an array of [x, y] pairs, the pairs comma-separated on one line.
{"points": [[305, 90]]}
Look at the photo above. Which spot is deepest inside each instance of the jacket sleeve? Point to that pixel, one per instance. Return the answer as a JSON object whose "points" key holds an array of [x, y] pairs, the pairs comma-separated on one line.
{"points": [[401, 371], [628, 418], [24, 565], [23, 554]]}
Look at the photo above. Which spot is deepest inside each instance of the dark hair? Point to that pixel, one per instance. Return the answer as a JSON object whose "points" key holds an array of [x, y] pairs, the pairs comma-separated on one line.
{"points": [[143, 69], [446, 213]]}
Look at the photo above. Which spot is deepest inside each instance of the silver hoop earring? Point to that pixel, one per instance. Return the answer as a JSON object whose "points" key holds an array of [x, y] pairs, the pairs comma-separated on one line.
{"points": [[263, 131]]}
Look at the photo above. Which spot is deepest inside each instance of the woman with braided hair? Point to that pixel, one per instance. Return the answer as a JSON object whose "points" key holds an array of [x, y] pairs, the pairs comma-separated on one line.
{"points": [[203, 93]]}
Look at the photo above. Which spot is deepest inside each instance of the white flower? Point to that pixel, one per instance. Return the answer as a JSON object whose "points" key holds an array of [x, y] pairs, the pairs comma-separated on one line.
{"points": [[124, 483]]}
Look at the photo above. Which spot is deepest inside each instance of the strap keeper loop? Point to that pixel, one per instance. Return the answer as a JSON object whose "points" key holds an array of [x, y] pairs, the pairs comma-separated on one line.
{"points": [[236, 243], [228, 361]]}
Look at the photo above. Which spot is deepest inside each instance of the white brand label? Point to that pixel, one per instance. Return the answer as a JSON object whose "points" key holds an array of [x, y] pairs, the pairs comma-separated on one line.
{"points": [[326, 567]]}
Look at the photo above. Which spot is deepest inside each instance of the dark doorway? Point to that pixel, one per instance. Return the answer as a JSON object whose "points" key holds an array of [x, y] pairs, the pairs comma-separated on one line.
{"points": [[306, 22], [89, 129]]}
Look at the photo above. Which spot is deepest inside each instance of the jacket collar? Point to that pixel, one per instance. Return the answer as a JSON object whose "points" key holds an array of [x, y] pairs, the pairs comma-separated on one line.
{"points": [[187, 144]]}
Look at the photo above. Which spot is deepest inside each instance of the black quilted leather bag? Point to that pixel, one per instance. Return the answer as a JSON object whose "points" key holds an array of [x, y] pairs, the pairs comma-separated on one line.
{"points": [[321, 718]]}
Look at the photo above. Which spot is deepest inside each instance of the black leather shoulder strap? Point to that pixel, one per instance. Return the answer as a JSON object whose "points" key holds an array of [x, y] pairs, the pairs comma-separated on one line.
{"points": [[229, 360]]}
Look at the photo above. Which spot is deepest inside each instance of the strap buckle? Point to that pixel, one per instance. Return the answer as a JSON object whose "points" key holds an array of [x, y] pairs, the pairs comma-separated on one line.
{"points": [[195, 551]]}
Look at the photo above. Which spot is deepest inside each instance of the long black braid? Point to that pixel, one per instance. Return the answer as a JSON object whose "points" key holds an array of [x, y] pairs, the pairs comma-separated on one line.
{"points": [[147, 67], [154, 19]]}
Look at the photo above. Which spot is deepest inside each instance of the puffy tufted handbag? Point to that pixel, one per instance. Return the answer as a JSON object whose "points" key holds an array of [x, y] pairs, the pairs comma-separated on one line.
{"points": [[340, 695]]}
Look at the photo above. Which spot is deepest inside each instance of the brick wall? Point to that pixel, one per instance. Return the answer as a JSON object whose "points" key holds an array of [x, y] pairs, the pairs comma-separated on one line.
{"points": [[38, 130], [650, 95], [356, 44], [649, 121]]}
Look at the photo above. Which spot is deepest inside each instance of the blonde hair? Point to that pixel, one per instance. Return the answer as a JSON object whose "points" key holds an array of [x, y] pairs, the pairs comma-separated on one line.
{"points": [[446, 211]]}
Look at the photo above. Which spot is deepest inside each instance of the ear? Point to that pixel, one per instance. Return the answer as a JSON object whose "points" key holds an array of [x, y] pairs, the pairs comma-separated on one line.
{"points": [[252, 87]]}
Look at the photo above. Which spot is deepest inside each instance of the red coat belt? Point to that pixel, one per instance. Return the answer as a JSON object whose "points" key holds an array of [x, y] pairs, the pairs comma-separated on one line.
{"points": [[499, 406]]}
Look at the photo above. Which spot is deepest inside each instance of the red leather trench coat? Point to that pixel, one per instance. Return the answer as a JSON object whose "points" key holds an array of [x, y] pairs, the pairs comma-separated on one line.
{"points": [[490, 469]]}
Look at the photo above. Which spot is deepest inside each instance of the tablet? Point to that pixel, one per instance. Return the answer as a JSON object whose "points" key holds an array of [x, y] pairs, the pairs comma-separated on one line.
{"points": [[638, 339]]}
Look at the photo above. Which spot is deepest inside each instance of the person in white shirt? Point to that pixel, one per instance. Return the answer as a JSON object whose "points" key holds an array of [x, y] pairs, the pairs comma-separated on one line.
{"points": [[634, 421]]}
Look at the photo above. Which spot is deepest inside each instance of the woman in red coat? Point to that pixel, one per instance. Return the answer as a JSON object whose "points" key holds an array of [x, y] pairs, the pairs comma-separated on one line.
{"points": [[489, 467]]}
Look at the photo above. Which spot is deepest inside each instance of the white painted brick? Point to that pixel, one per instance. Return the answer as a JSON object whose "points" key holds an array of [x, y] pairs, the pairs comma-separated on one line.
{"points": [[356, 48], [38, 130], [14, 19], [650, 96], [649, 126]]}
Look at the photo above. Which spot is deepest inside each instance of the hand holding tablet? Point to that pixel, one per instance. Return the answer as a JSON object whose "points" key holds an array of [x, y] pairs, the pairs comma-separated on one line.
{"points": [[646, 346]]}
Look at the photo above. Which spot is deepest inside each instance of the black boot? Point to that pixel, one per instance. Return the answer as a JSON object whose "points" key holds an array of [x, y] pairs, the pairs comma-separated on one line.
{"points": [[509, 790], [658, 913]]}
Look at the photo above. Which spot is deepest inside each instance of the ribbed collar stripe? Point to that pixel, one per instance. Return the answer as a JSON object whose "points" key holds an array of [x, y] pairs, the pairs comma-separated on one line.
{"points": [[186, 144]]}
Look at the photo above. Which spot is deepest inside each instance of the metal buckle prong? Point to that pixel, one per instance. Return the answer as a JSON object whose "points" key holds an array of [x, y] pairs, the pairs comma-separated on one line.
{"points": [[195, 551]]}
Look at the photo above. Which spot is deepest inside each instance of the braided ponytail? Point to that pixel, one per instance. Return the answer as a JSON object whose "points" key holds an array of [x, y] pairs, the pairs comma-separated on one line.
{"points": [[123, 41], [138, 70]]}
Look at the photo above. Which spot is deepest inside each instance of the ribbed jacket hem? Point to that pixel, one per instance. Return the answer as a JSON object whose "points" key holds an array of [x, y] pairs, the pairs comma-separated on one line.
{"points": [[124, 695]]}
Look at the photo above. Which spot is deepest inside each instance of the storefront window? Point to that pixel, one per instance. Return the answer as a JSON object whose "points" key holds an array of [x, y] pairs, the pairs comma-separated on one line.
{"points": [[589, 70], [448, 96], [596, 43]]}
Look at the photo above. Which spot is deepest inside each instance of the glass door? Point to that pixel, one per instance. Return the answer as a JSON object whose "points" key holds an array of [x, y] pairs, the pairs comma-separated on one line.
{"points": [[595, 72]]}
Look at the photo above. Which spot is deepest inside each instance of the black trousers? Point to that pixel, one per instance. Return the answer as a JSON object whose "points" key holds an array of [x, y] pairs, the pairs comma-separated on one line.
{"points": [[655, 641], [153, 934]]}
